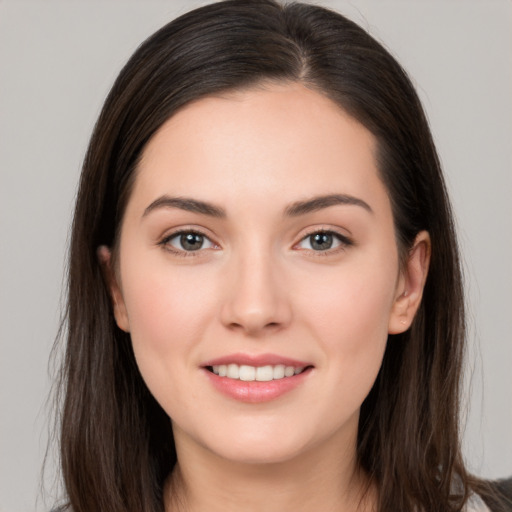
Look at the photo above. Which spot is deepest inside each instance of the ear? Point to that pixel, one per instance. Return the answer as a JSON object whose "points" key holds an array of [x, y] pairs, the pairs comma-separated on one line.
{"points": [[111, 280], [411, 282]]}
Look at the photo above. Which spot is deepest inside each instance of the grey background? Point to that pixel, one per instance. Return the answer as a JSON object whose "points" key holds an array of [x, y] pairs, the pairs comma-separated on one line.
{"points": [[57, 61]]}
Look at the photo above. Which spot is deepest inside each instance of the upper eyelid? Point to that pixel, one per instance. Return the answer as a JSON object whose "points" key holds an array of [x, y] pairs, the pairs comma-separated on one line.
{"points": [[168, 234], [344, 241], [344, 238], [331, 230], [164, 243], [166, 238], [177, 232]]}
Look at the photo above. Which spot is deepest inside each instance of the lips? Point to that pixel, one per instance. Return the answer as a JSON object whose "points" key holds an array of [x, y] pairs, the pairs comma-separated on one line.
{"points": [[256, 360], [256, 378], [250, 373]]}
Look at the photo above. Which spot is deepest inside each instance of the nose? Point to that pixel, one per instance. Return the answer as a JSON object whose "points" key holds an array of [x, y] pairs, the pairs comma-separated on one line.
{"points": [[255, 298]]}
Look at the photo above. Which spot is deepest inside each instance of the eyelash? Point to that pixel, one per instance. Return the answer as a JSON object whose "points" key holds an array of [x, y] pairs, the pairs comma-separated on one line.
{"points": [[344, 242], [165, 242]]}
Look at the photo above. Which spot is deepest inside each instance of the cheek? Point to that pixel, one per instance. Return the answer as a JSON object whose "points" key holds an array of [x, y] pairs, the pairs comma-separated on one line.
{"points": [[353, 303], [165, 303], [168, 314], [349, 314]]}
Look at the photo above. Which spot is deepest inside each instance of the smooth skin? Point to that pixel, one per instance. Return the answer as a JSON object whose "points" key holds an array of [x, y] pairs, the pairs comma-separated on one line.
{"points": [[253, 273]]}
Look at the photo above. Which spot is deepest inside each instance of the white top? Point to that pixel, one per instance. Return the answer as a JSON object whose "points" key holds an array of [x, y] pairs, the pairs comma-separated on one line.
{"points": [[476, 504]]}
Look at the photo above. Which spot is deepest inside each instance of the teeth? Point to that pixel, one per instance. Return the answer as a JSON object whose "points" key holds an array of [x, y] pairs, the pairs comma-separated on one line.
{"points": [[279, 371], [247, 373], [264, 373], [233, 371], [289, 371], [256, 373]]}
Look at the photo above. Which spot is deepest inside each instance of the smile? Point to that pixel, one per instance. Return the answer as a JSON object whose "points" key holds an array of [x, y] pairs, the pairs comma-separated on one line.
{"points": [[255, 373], [256, 378]]}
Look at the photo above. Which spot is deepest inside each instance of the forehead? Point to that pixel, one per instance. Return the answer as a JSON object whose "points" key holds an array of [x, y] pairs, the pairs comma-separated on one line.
{"points": [[281, 138]]}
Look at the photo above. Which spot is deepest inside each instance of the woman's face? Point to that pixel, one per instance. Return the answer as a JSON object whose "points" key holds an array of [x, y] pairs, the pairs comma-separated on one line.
{"points": [[258, 273]]}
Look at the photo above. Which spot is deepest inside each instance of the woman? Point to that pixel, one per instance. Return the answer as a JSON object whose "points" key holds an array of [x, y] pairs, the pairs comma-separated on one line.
{"points": [[265, 305]]}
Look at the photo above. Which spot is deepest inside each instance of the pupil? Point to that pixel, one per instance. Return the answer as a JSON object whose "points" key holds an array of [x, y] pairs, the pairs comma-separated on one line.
{"points": [[321, 241], [191, 241]]}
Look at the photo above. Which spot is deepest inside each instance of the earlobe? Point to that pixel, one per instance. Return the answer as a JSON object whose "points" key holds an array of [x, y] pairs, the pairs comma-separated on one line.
{"points": [[109, 275], [409, 291]]}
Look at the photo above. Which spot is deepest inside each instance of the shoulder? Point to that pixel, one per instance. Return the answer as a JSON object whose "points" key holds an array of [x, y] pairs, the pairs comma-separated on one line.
{"points": [[500, 497], [476, 504]]}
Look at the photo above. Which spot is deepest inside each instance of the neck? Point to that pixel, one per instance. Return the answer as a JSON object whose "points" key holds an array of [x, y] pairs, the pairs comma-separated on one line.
{"points": [[321, 479]]}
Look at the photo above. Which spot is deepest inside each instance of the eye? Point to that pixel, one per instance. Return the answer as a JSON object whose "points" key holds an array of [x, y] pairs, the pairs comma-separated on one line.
{"points": [[187, 241], [323, 241]]}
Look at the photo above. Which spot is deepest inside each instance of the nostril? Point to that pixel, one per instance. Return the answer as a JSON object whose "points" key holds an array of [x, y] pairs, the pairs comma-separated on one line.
{"points": [[253, 326]]}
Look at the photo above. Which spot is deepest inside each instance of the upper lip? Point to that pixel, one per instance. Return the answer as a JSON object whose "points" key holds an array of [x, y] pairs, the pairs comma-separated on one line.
{"points": [[256, 360]]}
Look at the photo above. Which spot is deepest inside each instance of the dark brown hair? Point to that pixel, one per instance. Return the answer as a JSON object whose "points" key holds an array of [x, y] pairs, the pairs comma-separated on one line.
{"points": [[116, 441]]}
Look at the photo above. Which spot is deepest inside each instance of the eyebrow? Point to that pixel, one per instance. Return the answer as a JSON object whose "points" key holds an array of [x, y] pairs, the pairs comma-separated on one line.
{"points": [[294, 210], [321, 202], [187, 204]]}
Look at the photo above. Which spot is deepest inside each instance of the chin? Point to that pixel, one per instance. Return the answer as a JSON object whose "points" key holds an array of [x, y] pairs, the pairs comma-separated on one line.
{"points": [[269, 447], [259, 455]]}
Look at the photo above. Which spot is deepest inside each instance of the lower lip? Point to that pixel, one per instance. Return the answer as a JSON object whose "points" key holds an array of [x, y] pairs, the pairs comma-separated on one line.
{"points": [[255, 391]]}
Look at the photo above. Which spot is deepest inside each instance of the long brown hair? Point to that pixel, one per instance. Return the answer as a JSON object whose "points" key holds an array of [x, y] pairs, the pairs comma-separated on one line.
{"points": [[116, 441]]}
